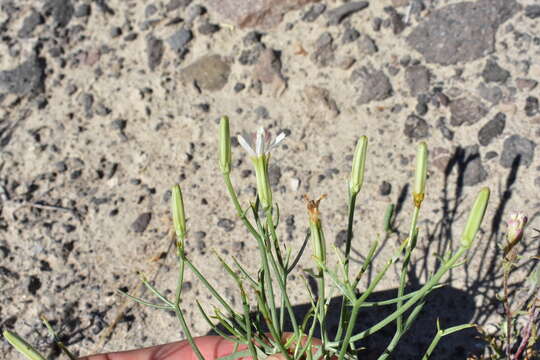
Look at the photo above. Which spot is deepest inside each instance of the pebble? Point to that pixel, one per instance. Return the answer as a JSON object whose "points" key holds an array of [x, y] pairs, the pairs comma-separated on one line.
{"points": [[494, 73], [421, 108], [154, 51], [493, 94], [131, 36], [27, 78], [102, 110], [262, 112], [417, 78], [532, 11], [396, 20], [239, 87], [209, 72], [176, 4], [416, 128], [492, 129], [141, 223], [366, 45], [34, 284], [274, 175], [474, 172], [466, 110], [83, 10], [71, 89], [226, 224], [337, 15], [324, 52], [531, 106], [61, 11], [376, 24], [385, 188], [526, 84], [251, 56], [30, 23], [514, 147], [341, 238], [372, 84], [87, 101], [115, 32], [349, 35], [119, 124], [150, 10], [314, 12], [445, 131], [208, 28]]}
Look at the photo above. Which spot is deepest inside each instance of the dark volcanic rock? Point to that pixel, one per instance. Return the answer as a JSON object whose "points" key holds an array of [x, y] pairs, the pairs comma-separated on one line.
{"points": [[27, 78], [209, 72], [61, 11], [179, 40], [30, 23], [366, 45], [531, 106], [474, 172], [395, 20], [466, 110], [461, 32], [372, 84], [494, 73], [154, 51], [349, 35], [416, 128], [324, 51], [337, 15], [493, 94], [532, 11], [314, 12], [492, 129], [141, 223], [515, 148], [226, 224], [417, 79]]}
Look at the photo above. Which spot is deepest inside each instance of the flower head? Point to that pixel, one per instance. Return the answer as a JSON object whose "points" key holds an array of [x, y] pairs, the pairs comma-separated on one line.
{"points": [[516, 225], [261, 143]]}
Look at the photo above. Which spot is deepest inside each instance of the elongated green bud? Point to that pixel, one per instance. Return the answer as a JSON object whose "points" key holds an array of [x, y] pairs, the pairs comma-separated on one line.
{"points": [[224, 145], [263, 182], [420, 175], [475, 218], [22, 346], [359, 164], [315, 226], [179, 216]]}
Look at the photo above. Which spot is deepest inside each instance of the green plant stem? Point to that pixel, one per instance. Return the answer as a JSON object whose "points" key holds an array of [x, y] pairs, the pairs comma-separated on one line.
{"points": [[22, 346], [440, 334], [187, 332], [239, 211]]}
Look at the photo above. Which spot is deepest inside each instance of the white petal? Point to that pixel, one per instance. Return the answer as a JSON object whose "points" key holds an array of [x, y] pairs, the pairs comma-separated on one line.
{"points": [[246, 145], [278, 139], [259, 147]]}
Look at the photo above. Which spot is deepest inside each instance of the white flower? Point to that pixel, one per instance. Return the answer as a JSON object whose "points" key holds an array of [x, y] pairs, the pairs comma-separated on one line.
{"points": [[261, 143]]}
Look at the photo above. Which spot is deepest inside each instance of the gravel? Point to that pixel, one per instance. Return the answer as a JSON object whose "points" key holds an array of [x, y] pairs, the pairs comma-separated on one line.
{"points": [[517, 149]]}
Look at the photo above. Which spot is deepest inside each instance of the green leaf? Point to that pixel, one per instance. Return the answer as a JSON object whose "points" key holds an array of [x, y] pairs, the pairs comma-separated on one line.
{"points": [[22, 346]]}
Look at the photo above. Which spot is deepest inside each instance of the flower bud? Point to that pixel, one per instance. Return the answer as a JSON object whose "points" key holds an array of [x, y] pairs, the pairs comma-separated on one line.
{"points": [[475, 218], [224, 145], [516, 225], [315, 226], [420, 175], [263, 182], [179, 217], [359, 164]]}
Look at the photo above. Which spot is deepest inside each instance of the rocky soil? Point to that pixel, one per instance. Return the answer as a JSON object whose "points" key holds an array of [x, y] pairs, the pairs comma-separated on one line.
{"points": [[105, 104]]}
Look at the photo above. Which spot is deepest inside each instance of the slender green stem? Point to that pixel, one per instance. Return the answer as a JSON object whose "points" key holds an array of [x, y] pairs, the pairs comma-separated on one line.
{"points": [[346, 340], [187, 332], [440, 334], [22, 346], [239, 211]]}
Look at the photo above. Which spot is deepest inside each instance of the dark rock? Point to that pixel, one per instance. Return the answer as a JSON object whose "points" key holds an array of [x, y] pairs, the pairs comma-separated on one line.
{"points": [[61, 11], [252, 38], [531, 106], [83, 10], [491, 155], [385, 188], [395, 20], [532, 11], [349, 35], [34, 284], [104, 7], [44, 266], [492, 94], [494, 73], [372, 84], [239, 87], [366, 45], [314, 12], [337, 15], [194, 12], [515, 148], [141, 223], [131, 36], [27, 78], [461, 32], [30, 23], [154, 51], [341, 238], [417, 79], [102, 110], [416, 128], [421, 108], [251, 56], [445, 131], [466, 110], [61, 166], [119, 124], [87, 101], [209, 72], [492, 129], [274, 175], [115, 32], [376, 24], [75, 174], [323, 55], [150, 10], [226, 224], [255, 13], [208, 28], [262, 112], [177, 4], [526, 84], [474, 172]]}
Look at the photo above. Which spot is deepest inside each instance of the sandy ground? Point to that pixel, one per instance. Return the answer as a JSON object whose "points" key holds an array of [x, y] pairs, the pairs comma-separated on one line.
{"points": [[104, 105]]}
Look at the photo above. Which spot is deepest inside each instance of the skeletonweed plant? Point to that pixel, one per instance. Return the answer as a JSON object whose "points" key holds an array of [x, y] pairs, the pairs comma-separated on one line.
{"points": [[264, 333]]}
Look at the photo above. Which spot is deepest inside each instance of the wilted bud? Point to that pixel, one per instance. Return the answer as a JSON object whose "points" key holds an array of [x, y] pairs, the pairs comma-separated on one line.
{"points": [[420, 174], [317, 237], [179, 217], [516, 225], [224, 145], [359, 164], [475, 218]]}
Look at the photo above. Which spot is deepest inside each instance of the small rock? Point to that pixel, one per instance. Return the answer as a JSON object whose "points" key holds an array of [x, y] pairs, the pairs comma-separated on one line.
{"points": [[317, 96], [445, 131], [177, 4], [61, 11], [131, 36], [337, 15], [102, 110], [87, 101], [461, 32], [396, 20], [517, 147], [115, 32], [474, 172], [268, 71], [314, 12], [491, 155], [154, 51], [61, 166], [27, 78], [345, 62], [209, 72], [531, 106], [492, 129], [494, 73], [30, 23], [324, 52], [417, 78], [372, 84], [208, 28], [239, 87], [251, 56], [34, 284], [119, 124], [416, 128], [226, 224], [180, 39], [466, 110], [262, 112], [341, 238], [532, 11], [349, 35], [526, 84], [194, 12], [366, 45], [274, 175], [141, 223], [83, 10], [421, 108], [376, 24], [492, 94], [150, 10], [294, 183], [385, 188]]}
